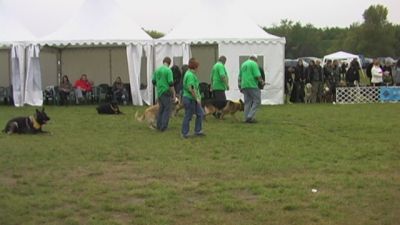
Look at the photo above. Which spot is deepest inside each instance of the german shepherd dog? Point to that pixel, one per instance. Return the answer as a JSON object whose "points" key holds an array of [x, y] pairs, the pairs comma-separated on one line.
{"points": [[108, 108], [327, 94], [230, 107], [151, 113], [27, 125]]}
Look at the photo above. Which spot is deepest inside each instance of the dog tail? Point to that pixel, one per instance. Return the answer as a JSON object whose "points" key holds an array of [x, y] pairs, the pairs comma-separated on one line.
{"points": [[138, 117]]}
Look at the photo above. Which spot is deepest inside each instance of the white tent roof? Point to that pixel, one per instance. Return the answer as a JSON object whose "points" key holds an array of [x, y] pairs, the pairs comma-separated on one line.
{"points": [[217, 22], [98, 22], [342, 56], [11, 30]]}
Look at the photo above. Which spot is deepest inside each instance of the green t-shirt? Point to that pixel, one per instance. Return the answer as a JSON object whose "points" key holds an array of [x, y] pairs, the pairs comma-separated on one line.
{"points": [[217, 73], [189, 80], [249, 73], [164, 79]]}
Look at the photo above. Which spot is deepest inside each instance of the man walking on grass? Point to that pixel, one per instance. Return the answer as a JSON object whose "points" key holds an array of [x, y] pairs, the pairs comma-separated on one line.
{"points": [[164, 82], [249, 78]]}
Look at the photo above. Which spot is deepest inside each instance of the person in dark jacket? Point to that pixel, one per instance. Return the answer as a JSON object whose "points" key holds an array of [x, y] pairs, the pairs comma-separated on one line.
{"points": [[336, 77], [353, 74], [288, 82], [177, 76], [298, 83], [368, 70], [387, 73], [316, 78]]}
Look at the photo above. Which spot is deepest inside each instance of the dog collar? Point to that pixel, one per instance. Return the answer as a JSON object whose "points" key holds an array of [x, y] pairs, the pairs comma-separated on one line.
{"points": [[113, 109], [36, 125]]}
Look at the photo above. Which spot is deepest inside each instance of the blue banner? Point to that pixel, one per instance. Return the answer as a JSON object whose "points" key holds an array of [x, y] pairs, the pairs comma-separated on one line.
{"points": [[390, 94]]}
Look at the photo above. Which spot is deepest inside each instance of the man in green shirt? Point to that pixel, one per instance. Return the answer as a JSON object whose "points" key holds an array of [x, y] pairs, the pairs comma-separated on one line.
{"points": [[249, 77], [219, 82], [164, 82]]}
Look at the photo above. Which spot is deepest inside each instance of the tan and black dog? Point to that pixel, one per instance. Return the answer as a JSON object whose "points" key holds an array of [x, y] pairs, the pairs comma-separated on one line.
{"points": [[151, 113], [231, 107], [27, 125]]}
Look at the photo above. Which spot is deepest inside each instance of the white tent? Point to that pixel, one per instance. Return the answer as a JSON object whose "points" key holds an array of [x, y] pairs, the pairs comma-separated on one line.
{"points": [[222, 29], [89, 42], [12, 32], [26, 83], [342, 57]]}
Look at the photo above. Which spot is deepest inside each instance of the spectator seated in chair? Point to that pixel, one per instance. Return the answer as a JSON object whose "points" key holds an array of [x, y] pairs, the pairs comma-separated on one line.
{"points": [[64, 90], [119, 92], [82, 88]]}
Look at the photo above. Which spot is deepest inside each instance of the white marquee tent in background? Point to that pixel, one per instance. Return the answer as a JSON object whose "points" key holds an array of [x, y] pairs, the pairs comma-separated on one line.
{"points": [[100, 26], [342, 57], [24, 56], [216, 23]]}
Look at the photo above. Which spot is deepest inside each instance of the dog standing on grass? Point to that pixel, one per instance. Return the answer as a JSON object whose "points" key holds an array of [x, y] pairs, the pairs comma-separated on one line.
{"points": [[151, 113], [231, 108], [27, 125], [307, 93]]}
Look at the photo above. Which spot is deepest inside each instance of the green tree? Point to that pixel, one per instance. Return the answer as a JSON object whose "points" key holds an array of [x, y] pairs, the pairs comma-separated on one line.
{"points": [[300, 40], [376, 36], [155, 34]]}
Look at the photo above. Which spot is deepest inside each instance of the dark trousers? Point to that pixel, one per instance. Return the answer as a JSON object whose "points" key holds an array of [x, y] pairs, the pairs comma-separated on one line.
{"points": [[64, 98], [164, 101], [219, 98]]}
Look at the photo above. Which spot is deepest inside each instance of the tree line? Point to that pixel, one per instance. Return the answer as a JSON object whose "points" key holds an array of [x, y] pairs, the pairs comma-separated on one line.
{"points": [[374, 37]]}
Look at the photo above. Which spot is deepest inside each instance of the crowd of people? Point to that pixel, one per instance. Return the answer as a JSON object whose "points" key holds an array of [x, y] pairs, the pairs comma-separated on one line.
{"points": [[83, 90], [325, 80]]}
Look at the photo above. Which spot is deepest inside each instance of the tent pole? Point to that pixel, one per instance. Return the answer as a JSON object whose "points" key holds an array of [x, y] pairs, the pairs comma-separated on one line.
{"points": [[59, 65], [154, 69], [110, 62], [9, 68]]}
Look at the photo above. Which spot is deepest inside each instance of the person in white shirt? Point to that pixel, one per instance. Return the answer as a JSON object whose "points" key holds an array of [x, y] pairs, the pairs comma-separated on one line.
{"points": [[376, 73]]}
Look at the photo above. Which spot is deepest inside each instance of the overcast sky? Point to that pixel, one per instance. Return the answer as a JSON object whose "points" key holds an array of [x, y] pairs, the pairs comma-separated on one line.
{"points": [[44, 16]]}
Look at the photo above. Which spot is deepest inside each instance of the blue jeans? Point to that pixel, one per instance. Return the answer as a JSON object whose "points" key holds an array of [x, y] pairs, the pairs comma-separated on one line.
{"points": [[164, 101], [252, 99], [192, 107]]}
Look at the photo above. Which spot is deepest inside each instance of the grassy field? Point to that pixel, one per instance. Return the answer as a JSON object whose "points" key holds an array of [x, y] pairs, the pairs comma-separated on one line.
{"points": [[96, 169]]}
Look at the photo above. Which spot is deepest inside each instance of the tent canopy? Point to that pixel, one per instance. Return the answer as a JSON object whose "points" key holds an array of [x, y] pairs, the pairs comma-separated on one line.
{"points": [[236, 37], [11, 30], [98, 22], [217, 22]]}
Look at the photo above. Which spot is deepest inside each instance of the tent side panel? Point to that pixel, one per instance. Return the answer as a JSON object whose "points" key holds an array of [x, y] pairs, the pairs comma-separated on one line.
{"points": [[119, 64], [48, 66], [273, 58], [94, 62], [5, 68], [207, 56]]}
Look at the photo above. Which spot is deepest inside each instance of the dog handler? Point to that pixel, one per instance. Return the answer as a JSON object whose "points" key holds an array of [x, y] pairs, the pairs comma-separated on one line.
{"points": [[219, 82], [249, 77], [164, 82], [192, 101]]}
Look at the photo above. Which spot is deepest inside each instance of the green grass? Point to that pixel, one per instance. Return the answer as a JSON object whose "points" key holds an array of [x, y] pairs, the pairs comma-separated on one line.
{"points": [[96, 169]]}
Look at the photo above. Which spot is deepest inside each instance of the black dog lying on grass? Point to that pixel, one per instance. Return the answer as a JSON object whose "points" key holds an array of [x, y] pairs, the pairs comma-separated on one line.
{"points": [[108, 108], [27, 125]]}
